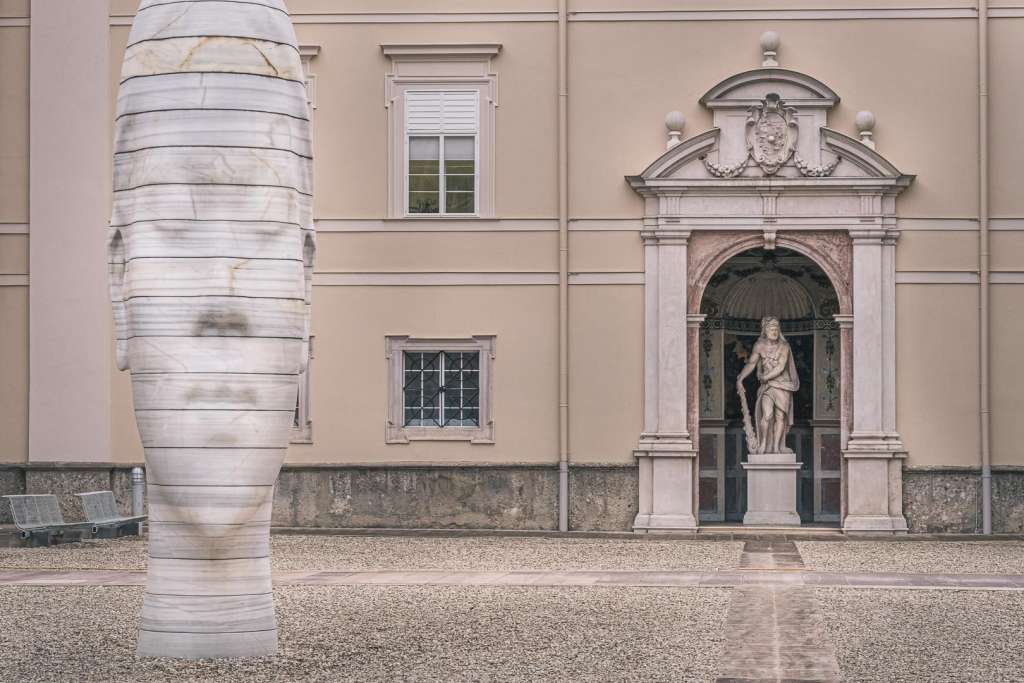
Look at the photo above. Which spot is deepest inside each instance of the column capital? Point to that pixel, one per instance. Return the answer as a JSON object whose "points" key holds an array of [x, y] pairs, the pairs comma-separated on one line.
{"points": [[695, 319], [659, 236], [844, 320], [867, 237]]}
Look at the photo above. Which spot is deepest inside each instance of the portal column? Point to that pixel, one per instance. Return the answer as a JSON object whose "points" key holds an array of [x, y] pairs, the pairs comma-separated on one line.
{"points": [[665, 454], [874, 452]]}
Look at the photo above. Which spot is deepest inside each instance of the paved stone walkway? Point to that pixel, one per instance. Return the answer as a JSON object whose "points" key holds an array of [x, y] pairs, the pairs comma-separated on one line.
{"points": [[665, 579], [774, 632]]}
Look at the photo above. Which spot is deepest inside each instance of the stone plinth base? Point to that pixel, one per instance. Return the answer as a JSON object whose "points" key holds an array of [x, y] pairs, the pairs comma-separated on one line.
{"points": [[666, 487], [771, 489]]}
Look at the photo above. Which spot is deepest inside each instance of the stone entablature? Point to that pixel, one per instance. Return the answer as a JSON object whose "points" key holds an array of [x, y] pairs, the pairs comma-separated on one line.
{"points": [[770, 173]]}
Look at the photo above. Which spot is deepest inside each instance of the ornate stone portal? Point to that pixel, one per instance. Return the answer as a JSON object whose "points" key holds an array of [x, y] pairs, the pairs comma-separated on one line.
{"points": [[211, 256], [769, 174]]}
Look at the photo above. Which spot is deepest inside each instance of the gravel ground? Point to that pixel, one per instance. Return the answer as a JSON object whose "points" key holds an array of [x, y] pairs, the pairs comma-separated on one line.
{"points": [[917, 557], [87, 633], [922, 635], [359, 553]]}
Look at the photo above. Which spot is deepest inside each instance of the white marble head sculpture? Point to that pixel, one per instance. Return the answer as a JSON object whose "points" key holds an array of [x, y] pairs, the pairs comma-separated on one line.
{"points": [[211, 252]]}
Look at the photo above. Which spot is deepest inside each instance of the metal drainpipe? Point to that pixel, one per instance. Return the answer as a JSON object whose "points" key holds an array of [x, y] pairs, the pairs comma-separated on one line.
{"points": [[983, 270], [563, 268]]}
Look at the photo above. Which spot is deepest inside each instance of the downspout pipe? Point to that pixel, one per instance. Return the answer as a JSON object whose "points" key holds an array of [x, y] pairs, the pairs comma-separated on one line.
{"points": [[983, 272], [563, 267]]}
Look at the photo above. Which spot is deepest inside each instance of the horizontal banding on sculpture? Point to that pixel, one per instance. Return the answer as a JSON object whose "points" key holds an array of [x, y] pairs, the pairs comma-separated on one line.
{"points": [[211, 254], [210, 541]]}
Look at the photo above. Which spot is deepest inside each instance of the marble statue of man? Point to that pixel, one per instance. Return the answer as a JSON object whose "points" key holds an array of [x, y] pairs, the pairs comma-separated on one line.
{"points": [[776, 371]]}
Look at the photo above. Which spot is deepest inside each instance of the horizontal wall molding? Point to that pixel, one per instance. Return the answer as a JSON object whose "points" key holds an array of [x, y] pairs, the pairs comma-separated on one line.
{"points": [[606, 278], [957, 277], [778, 14], [1005, 12], [403, 18], [437, 225], [13, 228], [447, 279], [606, 224], [936, 277], [13, 280], [6, 22], [832, 14], [910, 223]]}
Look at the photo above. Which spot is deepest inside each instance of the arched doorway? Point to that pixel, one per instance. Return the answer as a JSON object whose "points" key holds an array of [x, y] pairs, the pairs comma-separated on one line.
{"points": [[749, 286]]}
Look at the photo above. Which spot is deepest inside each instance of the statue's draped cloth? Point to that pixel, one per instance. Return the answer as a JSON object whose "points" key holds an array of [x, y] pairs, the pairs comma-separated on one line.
{"points": [[779, 390]]}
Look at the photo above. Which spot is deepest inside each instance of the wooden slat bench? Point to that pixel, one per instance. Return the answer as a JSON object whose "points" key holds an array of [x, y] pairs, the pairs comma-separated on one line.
{"points": [[107, 521], [39, 520]]}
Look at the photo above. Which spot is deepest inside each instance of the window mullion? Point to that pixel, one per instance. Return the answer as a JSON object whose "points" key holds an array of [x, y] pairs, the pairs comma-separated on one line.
{"points": [[442, 184], [440, 391]]}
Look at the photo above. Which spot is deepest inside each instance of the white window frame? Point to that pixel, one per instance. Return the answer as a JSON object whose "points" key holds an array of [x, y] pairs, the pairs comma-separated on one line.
{"points": [[395, 430], [442, 199], [440, 67], [304, 432], [307, 53]]}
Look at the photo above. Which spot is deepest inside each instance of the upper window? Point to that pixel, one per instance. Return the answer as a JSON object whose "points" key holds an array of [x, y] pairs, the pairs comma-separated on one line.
{"points": [[440, 102], [441, 128]]}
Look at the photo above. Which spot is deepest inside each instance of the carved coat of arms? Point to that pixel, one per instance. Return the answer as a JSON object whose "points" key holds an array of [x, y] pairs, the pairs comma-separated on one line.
{"points": [[771, 134]]}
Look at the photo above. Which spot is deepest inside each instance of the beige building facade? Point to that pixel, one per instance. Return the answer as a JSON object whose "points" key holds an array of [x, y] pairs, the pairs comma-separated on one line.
{"points": [[534, 286]]}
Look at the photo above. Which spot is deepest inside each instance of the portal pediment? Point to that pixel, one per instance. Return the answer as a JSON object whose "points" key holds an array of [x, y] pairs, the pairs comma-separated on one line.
{"points": [[749, 88], [770, 134]]}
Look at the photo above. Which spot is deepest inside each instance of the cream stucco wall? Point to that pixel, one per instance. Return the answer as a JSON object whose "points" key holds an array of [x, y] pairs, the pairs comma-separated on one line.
{"points": [[624, 76], [937, 373], [14, 374], [14, 116], [1007, 397], [606, 375], [1007, 154], [350, 375]]}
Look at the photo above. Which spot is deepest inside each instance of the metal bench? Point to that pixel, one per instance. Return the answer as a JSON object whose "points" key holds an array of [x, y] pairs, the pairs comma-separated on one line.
{"points": [[39, 520], [107, 521]]}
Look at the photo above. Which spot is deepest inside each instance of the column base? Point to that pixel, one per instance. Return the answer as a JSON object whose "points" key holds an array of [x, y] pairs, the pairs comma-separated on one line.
{"points": [[874, 485], [666, 469], [771, 489], [874, 524], [664, 523]]}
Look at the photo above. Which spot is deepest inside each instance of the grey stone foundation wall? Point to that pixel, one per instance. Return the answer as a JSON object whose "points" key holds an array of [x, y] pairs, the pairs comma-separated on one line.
{"points": [[512, 497], [945, 500]]}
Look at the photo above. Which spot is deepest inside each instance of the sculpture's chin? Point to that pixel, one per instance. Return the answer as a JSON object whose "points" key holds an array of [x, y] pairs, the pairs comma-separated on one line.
{"points": [[207, 645]]}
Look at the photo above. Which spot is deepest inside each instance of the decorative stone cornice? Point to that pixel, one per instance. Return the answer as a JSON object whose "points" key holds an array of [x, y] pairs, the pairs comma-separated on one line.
{"points": [[663, 236], [866, 237], [844, 320]]}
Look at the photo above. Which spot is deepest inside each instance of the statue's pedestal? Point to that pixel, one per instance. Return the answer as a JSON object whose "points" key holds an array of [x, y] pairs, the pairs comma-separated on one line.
{"points": [[771, 489]]}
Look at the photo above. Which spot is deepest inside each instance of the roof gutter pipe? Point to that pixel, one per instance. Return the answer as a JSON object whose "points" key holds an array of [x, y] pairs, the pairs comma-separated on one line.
{"points": [[563, 267], [983, 271]]}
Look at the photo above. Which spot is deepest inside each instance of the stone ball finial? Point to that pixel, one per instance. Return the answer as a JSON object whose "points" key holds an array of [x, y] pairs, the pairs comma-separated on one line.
{"points": [[674, 122], [770, 47], [865, 122]]}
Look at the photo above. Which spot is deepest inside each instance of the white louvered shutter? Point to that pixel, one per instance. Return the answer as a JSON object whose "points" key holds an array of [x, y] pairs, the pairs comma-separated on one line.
{"points": [[442, 111]]}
